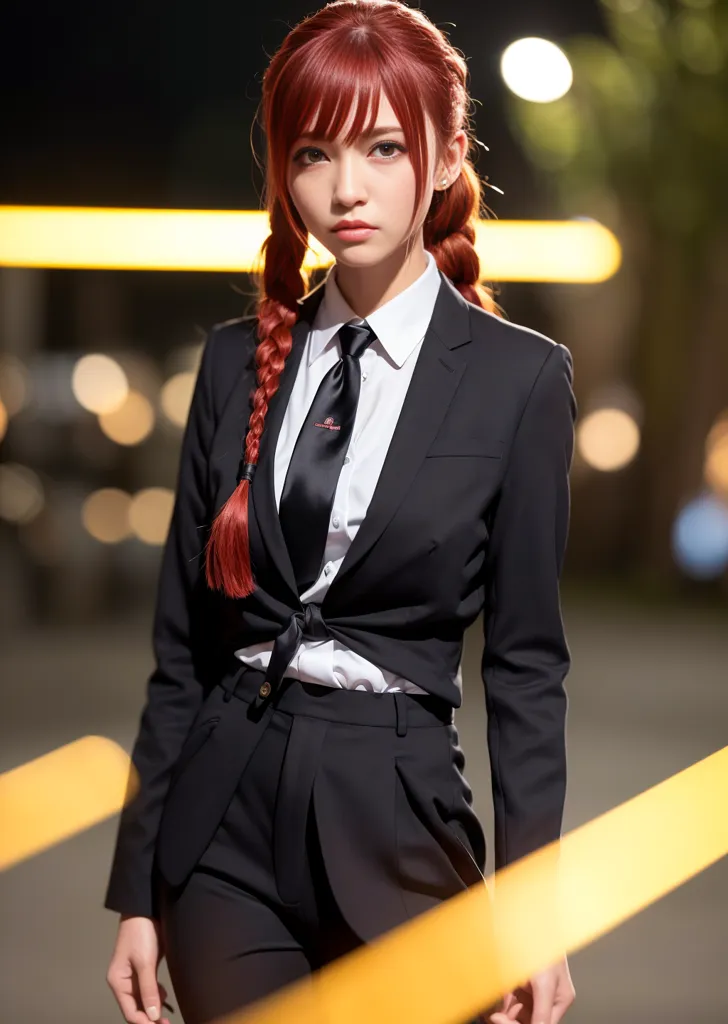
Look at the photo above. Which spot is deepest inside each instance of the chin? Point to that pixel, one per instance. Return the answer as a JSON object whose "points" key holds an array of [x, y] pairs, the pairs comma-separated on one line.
{"points": [[362, 255]]}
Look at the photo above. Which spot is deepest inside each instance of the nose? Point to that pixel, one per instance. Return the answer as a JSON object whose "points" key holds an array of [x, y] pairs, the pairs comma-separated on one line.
{"points": [[349, 183]]}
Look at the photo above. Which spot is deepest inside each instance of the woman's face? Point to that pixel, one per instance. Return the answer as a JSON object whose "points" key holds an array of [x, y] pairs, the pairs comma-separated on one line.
{"points": [[371, 180]]}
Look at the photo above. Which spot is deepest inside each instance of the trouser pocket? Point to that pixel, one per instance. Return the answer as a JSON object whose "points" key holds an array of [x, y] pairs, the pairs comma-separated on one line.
{"points": [[431, 854]]}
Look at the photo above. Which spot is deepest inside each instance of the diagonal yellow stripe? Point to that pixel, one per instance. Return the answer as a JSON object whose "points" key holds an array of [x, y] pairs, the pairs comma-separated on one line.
{"points": [[59, 794], [581, 251], [447, 965]]}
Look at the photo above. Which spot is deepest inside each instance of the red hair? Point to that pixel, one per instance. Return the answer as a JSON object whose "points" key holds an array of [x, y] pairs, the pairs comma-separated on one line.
{"points": [[340, 58]]}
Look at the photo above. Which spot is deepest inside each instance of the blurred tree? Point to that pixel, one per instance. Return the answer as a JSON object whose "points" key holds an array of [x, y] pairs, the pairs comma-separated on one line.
{"points": [[644, 132]]}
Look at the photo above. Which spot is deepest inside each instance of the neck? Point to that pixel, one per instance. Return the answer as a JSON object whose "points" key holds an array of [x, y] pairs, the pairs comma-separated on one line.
{"points": [[368, 288]]}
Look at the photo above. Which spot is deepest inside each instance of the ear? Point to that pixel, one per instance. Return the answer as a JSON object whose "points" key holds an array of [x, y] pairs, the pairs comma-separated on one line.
{"points": [[452, 161]]}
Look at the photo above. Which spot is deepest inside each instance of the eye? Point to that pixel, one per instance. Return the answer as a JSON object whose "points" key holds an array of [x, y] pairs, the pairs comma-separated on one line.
{"points": [[390, 146], [298, 158]]}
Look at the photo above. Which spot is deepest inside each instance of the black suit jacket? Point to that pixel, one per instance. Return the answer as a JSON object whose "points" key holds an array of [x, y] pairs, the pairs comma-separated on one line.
{"points": [[470, 514]]}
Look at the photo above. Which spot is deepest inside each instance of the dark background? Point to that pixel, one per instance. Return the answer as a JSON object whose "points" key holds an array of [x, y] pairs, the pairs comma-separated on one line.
{"points": [[151, 105]]}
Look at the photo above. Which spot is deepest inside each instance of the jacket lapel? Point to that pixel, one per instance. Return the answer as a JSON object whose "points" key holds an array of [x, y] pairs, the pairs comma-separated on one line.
{"points": [[434, 382]]}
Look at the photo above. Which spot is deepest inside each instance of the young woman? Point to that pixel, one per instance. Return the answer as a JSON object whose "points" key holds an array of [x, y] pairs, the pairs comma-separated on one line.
{"points": [[366, 468]]}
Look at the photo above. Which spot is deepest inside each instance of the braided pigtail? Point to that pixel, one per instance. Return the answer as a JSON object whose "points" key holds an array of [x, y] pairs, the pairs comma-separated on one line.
{"points": [[227, 563], [449, 234]]}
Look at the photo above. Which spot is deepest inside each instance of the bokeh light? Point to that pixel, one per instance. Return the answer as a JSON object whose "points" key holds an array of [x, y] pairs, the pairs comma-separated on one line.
{"points": [[3, 420], [14, 384], [700, 537], [99, 383], [150, 512], [176, 396], [698, 43], [716, 456], [21, 493], [105, 515], [608, 439], [131, 423], [536, 70]]}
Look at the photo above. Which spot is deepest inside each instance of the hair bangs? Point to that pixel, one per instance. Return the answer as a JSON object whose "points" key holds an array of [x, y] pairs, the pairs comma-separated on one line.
{"points": [[346, 95]]}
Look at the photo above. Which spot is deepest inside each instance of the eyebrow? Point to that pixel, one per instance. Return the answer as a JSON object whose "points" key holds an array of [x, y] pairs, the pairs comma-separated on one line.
{"points": [[384, 130]]}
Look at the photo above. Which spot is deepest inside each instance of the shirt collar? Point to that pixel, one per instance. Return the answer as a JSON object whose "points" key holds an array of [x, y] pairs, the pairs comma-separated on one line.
{"points": [[399, 324]]}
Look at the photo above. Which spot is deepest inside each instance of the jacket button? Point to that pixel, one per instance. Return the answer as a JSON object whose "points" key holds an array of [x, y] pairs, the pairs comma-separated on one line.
{"points": [[264, 691]]}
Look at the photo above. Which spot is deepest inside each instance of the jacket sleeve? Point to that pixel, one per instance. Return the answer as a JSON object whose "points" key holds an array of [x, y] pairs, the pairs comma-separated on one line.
{"points": [[175, 689], [526, 656]]}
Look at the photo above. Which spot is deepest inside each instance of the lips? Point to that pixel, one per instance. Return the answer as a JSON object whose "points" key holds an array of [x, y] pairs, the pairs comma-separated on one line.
{"points": [[350, 225]]}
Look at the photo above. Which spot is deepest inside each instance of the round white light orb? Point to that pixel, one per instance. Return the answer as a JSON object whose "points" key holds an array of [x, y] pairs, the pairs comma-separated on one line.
{"points": [[536, 70]]}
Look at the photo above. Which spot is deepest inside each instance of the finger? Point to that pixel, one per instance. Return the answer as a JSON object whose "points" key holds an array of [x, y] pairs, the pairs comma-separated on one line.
{"points": [[149, 990], [524, 994], [543, 1002], [130, 1009], [561, 1005], [511, 1010], [122, 986]]}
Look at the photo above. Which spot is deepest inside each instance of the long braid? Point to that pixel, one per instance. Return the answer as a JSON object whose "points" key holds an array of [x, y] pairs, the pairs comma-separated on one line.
{"points": [[227, 560], [449, 234]]}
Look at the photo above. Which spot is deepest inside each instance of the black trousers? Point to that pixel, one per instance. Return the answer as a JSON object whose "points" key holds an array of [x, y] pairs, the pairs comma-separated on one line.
{"points": [[351, 816]]}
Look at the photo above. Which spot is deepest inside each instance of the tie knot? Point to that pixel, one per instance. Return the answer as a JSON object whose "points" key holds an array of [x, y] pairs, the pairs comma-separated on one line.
{"points": [[354, 338]]}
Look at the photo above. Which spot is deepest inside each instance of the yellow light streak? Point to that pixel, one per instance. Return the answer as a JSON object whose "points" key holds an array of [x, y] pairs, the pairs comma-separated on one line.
{"points": [[571, 251], [581, 251], [455, 961], [61, 793]]}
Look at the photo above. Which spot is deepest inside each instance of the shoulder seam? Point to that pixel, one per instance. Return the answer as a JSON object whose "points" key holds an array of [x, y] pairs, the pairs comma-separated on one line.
{"points": [[536, 379], [554, 346]]}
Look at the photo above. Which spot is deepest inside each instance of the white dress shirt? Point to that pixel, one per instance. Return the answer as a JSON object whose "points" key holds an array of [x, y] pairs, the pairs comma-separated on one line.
{"points": [[387, 365]]}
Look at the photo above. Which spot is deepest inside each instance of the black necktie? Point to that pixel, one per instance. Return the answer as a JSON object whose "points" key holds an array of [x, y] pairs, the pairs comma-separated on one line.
{"points": [[313, 473]]}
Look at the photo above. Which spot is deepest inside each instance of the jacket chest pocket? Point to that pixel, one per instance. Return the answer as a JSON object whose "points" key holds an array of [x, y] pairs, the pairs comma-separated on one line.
{"points": [[465, 447]]}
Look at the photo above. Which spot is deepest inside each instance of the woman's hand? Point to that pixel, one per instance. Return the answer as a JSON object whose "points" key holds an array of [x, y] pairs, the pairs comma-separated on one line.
{"points": [[132, 973], [542, 1000]]}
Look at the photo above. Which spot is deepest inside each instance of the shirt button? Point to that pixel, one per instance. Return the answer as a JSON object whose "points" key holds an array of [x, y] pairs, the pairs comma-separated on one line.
{"points": [[335, 520], [327, 569], [364, 375], [347, 460]]}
